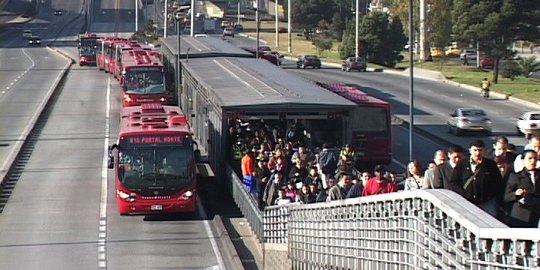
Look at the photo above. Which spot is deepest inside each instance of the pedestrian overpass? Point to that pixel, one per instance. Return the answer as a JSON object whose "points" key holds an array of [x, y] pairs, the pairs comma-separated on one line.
{"points": [[424, 229]]}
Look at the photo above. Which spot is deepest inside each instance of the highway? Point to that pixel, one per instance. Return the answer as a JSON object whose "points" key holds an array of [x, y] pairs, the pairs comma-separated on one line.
{"points": [[61, 212], [433, 102]]}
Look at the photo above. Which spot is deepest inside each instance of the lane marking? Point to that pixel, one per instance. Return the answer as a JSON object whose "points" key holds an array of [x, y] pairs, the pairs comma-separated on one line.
{"points": [[102, 235], [203, 215]]}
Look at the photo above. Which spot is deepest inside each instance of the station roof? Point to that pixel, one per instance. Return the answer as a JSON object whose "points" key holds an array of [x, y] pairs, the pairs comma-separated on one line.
{"points": [[203, 47], [256, 84]]}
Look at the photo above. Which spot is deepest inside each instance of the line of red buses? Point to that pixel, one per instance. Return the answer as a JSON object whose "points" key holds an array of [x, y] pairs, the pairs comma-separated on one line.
{"points": [[154, 159]]}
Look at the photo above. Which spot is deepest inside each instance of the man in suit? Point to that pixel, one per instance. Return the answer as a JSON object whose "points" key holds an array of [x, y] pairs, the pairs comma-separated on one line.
{"points": [[443, 172], [478, 179], [523, 190]]}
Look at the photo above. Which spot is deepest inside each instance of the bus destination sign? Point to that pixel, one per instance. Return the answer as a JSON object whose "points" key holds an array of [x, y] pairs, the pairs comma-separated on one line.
{"points": [[144, 69], [152, 139]]}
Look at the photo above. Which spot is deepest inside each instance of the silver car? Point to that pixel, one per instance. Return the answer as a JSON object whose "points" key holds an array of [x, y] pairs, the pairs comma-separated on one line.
{"points": [[469, 119]]}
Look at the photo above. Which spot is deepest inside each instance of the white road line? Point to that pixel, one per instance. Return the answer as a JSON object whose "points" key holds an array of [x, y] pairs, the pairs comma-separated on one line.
{"points": [[203, 215], [102, 249]]}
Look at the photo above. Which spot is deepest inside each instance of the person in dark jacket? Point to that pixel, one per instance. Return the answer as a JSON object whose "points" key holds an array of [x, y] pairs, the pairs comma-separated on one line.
{"points": [[478, 179], [262, 175], [327, 162], [356, 188], [523, 191], [442, 174]]}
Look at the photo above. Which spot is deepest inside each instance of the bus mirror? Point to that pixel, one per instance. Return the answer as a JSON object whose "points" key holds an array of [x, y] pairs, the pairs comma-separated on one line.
{"points": [[110, 157], [197, 154], [110, 162], [122, 81]]}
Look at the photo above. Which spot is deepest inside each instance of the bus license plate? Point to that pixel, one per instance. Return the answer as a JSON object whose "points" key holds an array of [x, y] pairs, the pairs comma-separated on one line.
{"points": [[156, 207]]}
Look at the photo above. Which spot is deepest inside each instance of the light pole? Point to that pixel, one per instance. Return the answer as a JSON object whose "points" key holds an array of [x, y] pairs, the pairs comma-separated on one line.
{"points": [[356, 31], [257, 28], [411, 81], [289, 45], [277, 23], [136, 15], [165, 17]]}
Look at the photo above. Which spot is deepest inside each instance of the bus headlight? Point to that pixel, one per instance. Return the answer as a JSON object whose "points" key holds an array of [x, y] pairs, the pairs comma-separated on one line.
{"points": [[125, 196], [162, 99], [188, 194], [127, 98]]}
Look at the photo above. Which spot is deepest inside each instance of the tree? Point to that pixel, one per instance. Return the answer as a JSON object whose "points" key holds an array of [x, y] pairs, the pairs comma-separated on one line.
{"points": [[337, 26], [528, 65], [382, 38], [495, 24], [439, 23], [347, 46], [308, 13], [322, 44]]}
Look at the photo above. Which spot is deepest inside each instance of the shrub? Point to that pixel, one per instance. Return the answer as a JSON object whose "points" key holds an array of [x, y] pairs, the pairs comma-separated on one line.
{"points": [[511, 70]]}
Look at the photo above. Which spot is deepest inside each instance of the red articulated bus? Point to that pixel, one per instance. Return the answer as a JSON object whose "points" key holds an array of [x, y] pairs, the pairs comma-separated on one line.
{"points": [[87, 47], [142, 78], [154, 161], [106, 50], [370, 125]]}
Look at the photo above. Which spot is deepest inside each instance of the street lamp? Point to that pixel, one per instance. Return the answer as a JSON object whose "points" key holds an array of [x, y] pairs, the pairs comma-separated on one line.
{"points": [[136, 15], [257, 28], [411, 81], [356, 31], [165, 17]]}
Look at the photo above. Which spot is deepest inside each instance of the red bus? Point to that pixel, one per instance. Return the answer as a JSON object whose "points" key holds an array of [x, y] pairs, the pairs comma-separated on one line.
{"points": [[370, 125], [154, 161], [106, 52], [87, 47], [142, 78]]}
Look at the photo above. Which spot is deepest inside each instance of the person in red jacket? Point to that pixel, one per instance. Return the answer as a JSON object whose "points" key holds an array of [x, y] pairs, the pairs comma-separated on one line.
{"points": [[379, 184]]}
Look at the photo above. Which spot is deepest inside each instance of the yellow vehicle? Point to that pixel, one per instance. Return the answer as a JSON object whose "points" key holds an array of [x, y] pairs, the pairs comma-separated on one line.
{"points": [[452, 51], [436, 52]]}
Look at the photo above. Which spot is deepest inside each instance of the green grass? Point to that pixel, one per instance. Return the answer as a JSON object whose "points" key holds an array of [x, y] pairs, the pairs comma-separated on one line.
{"points": [[521, 87]]}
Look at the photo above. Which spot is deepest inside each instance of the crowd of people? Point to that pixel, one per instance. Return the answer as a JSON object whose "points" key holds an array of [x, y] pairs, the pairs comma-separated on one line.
{"points": [[278, 169]]}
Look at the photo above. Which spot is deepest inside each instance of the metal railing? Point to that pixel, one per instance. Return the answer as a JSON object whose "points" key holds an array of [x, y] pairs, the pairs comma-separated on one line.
{"points": [[245, 202], [433, 229]]}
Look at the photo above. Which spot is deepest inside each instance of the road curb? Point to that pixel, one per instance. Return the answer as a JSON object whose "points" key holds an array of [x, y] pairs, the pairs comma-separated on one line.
{"points": [[230, 256]]}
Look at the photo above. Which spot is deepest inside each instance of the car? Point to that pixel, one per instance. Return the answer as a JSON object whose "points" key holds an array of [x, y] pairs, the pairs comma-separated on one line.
{"points": [[529, 123], [27, 34], [282, 30], [34, 41], [308, 60], [277, 57], [452, 51], [228, 31], [57, 12], [200, 35], [436, 52], [353, 63], [265, 48], [469, 119], [486, 63], [238, 27], [471, 54]]}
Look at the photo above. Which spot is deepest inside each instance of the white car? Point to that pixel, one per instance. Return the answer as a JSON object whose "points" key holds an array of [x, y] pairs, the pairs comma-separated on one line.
{"points": [[469, 119], [529, 123], [471, 54]]}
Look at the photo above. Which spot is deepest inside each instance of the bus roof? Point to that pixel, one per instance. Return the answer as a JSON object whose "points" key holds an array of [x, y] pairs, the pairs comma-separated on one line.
{"points": [[239, 83], [353, 93], [152, 118], [140, 57], [203, 47]]}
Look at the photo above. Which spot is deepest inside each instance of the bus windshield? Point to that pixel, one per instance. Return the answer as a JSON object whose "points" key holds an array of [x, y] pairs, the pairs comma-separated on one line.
{"points": [[87, 46], [145, 169], [150, 82]]}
